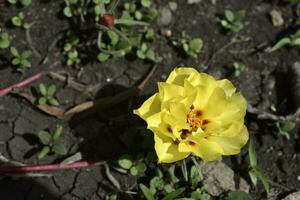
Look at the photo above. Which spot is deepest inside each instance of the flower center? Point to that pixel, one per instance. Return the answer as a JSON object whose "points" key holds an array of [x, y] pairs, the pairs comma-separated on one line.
{"points": [[195, 119]]}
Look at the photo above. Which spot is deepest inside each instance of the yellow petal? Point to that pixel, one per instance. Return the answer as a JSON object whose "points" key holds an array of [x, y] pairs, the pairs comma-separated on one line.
{"points": [[169, 91], [227, 86], [232, 145], [207, 150], [178, 75], [167, 150], [150, 107]]}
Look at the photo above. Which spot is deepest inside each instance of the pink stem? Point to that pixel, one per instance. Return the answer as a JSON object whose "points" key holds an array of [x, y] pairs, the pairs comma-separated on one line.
{"points": [[8, 89], [51, 167]]}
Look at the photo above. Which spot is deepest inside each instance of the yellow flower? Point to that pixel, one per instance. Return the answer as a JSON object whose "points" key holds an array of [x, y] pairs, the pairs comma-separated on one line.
{"points": [[195, 113]]}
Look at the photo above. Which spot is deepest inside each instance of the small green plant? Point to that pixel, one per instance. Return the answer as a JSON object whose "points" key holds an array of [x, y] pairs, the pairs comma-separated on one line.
{"points": [[233, 21], [255, 171], [48, 95], [134, 166], [4, 40], [111, 197], [51, 143], [23, 2], [293, 40], [237, 195], [285, 128], [70, 49], [18, 21], [145, 53], [20, 59], [238, 68], [191, 47]]}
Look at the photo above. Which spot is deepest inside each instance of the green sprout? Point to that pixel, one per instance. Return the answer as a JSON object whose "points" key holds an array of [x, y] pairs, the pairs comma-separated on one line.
{"points": [[292, 40], [233, 21], [191, 47], [23, 2], [47, 95], [20, 59], [134, 166], [111, 197], [285, 128], [238, 68], [50, 143], [146, 53], [18, 21], [255, 171], [4, 40]]}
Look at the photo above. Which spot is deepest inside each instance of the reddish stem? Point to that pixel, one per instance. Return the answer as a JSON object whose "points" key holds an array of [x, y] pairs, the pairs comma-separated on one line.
{"points": [[51, 167]]}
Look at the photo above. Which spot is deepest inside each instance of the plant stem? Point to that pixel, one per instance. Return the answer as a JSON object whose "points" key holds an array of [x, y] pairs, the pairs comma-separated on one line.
{"points": [[50, 167]]}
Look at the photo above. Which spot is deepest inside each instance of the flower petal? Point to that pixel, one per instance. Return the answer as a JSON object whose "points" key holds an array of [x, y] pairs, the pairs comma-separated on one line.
{"points": [[227, 86], [167, 150], [232, 145], [207, 150], [150, 107], [169, 91], [178, 75]]}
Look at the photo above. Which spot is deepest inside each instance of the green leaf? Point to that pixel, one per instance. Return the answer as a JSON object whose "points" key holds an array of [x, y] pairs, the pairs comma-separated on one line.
{"points": [[51, 90], [67, 12], [140, 54], [133, 171], [25, 63], [150, 55], [239, 16], [25, 2], [57, 133], [12, 1], [253, 177], [171, 174], [146, 3], [238, 195], [152, 14], [262, 177], [102, 57], [252, 153], [114, 38], [16, 21], [44, 137], [147, 193], [138, 15], [288, 126], [196, 45], [14, 52], [26, 54], [125, 161], [59, 149], [229, 15], [174, 194], [281, 43], [45, 150], [43, 89], [195, 177], [4, 40], [156, 183], [141, 167], [200, 194], [42, 101], [16, 61], [54, 102]]}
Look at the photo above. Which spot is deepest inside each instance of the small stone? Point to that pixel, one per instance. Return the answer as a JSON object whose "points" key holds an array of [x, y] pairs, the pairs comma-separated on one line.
{"points": [[173, 6], [293, 196], [194, 1], [165, 16], [276, 17], [219, 178]]}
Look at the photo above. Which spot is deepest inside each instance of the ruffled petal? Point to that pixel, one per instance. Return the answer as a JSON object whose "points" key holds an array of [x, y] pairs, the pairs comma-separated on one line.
{"points": [[207, 150], [178, 75], [150, 107]]}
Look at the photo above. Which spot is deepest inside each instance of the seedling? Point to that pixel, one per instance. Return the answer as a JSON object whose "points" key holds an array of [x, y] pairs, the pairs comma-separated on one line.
{"points": [[20, 59], [50, 143], [293, 40], [146, 53], [285, 128], [4, 40], [18, 21], [134, 166], [238, 68], [48, 95], [191, 47], [233, 21], [111, 197], [23, 2], [255, 171]]}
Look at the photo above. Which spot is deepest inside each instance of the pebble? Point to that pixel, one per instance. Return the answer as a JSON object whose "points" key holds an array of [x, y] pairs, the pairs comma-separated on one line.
{"points": [[276, 17], [194, 1], [165, 16], [293, 196], [173, 6]]}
